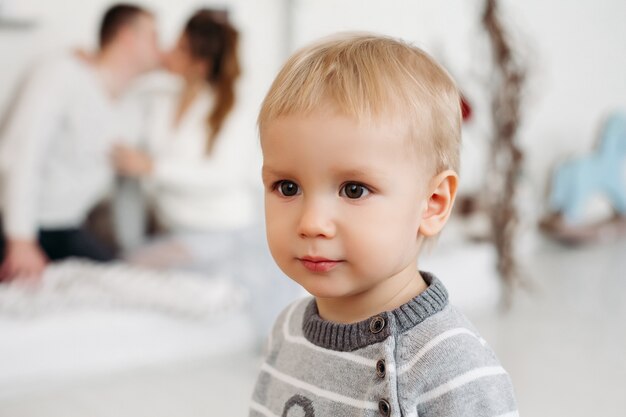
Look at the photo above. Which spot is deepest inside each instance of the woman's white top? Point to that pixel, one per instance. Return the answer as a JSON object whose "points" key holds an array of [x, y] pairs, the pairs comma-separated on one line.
{"points": [[55, 150], [191, 189]]}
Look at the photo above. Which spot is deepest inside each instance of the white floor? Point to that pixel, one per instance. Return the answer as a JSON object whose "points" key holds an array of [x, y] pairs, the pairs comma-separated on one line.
{"points": [[563, 342]]}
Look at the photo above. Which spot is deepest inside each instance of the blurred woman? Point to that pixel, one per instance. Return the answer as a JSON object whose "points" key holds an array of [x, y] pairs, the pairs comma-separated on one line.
{"points": [[195, 169]]}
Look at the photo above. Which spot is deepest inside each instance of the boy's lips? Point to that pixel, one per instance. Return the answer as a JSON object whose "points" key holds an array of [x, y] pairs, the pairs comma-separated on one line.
{"points": [[318, 264]]}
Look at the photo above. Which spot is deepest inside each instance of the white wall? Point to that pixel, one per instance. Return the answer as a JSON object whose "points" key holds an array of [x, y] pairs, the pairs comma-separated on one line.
{"points": [[580, 75], [576, 54]]}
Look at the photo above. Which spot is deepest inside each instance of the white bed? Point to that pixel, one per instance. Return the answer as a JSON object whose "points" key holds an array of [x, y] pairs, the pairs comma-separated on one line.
{"points": [[57, 342]]}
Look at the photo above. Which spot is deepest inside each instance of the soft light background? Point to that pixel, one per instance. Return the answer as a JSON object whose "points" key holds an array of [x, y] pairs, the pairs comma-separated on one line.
{"points": [[576, 57]]}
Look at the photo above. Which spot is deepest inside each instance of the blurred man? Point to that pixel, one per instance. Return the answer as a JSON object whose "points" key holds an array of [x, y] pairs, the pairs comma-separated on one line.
{"points": [[55, 150]]}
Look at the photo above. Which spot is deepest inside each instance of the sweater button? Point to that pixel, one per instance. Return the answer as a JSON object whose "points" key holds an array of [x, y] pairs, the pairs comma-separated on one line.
{"points": [[377, 324], [381, 370], [384, 408]]}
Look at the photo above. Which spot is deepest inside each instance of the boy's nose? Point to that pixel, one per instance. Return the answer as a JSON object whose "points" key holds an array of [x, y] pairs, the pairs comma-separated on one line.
{"points": [[316, 221]]}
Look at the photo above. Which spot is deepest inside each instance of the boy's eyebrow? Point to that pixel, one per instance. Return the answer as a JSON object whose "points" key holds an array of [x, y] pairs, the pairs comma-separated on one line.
{"points": [[356, 171], [360, 172], [265, 171], [350, 171]]}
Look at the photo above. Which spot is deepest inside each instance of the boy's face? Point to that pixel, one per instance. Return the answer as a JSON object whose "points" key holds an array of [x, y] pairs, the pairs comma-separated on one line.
{"points": [[343, 202]]}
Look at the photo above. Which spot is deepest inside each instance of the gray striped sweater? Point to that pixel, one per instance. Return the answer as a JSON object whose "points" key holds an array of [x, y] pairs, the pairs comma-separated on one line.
{"points": [[421, 359]]}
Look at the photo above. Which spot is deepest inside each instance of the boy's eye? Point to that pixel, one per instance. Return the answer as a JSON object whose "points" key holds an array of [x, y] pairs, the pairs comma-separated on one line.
{"points": [[288, 188], [354, 190]]}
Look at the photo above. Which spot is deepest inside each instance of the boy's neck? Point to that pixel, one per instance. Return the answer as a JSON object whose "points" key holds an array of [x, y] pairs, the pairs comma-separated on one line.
{"points": [[387, 295]]}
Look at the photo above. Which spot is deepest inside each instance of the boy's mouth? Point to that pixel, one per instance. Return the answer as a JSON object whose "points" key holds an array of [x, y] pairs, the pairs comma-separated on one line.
{"points": [[317, 264]]}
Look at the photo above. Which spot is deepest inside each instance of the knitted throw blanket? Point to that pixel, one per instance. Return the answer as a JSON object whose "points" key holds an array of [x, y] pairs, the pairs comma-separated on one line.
{"points": [[78, 284]]}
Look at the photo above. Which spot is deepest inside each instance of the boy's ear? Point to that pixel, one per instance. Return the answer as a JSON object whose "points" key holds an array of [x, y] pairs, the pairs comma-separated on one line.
{"points": [[439, 202]]}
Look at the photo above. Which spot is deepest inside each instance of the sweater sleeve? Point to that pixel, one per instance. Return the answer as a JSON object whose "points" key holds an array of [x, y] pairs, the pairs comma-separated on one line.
{"points": [[28, 134], [180, 161], [228, 164], [465, 378], [485, 392], [191, 175]]}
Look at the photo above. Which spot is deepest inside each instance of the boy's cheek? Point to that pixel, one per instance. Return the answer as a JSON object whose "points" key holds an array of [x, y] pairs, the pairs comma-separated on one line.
{"points": [[278, 253], [273, 218], [277, 239]]}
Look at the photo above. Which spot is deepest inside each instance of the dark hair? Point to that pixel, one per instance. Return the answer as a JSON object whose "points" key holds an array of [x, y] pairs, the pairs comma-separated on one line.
{"points": [[116, 17], [213, 39]]}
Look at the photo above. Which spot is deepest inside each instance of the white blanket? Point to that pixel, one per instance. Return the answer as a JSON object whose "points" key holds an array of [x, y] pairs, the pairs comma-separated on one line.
{"points": [[86, 320], [73, 285]]}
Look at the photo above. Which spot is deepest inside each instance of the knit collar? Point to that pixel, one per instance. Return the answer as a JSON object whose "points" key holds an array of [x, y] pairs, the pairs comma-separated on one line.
{"points": [[348, 337]]}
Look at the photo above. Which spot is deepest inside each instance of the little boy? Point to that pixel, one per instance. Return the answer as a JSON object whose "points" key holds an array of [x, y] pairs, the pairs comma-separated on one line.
{"points": [[360, 137]]}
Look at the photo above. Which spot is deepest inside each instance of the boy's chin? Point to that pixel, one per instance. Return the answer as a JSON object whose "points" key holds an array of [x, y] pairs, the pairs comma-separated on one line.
{"points": [[324, 289]]}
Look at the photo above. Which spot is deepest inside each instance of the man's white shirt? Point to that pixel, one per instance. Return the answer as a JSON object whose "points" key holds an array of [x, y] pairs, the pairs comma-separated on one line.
{"points": [[55, 149]]}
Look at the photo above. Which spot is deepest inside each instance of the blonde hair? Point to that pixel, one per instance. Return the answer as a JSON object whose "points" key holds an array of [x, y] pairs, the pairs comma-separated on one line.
{"points": [[373, 77]]}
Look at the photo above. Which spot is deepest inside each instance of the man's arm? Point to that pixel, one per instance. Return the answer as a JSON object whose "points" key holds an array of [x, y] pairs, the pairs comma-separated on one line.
{"points": [[34, 121], [22, 259]]}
